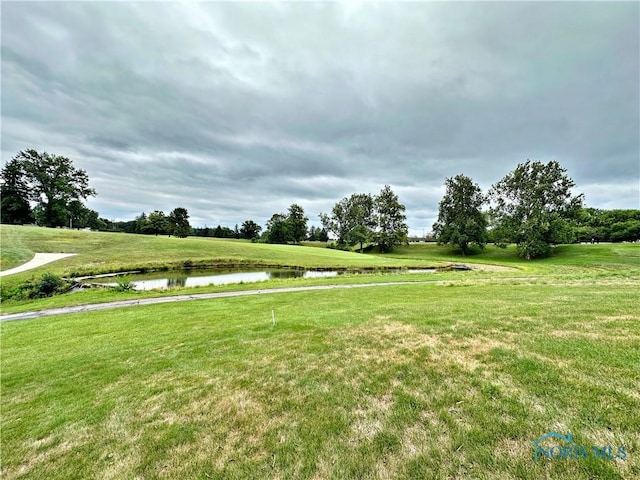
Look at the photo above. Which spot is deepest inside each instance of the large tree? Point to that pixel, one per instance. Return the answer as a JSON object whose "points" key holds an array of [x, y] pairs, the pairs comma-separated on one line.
{"points": [[460, 218], [533, 206], [14, 194], [250, 230], [362, 219], [53, 182], [296, 223], [392, 228], [338, 222], [178, 221], [157, 224], [277, 229], [83, 217], [352, 220]]}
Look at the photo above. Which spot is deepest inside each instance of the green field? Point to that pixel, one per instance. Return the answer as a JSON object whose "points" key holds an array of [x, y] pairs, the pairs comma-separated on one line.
{"points": [[454, 379]]}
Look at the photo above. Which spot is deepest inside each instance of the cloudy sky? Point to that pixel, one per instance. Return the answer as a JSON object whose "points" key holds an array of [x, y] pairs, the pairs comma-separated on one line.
{"points": [[237, 110]]}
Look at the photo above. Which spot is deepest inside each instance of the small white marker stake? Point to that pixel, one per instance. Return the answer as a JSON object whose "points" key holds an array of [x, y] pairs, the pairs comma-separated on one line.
{"points": [[273, 319]]}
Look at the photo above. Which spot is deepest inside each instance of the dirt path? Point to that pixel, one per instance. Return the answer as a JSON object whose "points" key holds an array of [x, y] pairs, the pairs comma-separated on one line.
{"points": [[199, 296], [38, 260]]}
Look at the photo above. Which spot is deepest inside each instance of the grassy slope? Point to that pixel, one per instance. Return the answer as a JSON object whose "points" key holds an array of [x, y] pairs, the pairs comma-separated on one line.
{"points": [[418, 381], [106, 252]]}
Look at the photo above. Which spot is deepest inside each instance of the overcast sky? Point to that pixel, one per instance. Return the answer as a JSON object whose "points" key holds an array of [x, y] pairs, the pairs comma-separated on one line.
{"points": [[237, 110]]}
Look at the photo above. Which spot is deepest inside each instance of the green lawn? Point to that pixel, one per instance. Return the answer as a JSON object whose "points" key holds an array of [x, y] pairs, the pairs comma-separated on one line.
{"points": [[447, 380], [100, 252]]}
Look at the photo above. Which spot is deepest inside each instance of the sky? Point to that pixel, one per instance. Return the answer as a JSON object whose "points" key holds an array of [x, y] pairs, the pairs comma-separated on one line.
{"points": [[237, 110]]}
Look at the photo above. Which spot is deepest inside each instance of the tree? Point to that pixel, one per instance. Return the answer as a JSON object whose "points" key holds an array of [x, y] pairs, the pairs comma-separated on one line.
{"points": [[338, 221], [362, 219], [250, 230], [352, 220], [14, 195], [321, 235], [178, 222], [392, 229], [83, 217], [142, 224], [533, 206], [296, 224], [158, 223], [277, 229], [460, 219], [53, 182]]}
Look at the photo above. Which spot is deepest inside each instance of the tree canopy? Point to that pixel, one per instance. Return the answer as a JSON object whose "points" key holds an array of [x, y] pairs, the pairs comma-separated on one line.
{"points": [[362, 218], [352, 220], [460, 218], [250, 230], [287, 227], [392, 228], [49, 180], [178, 222], [533, 206]]}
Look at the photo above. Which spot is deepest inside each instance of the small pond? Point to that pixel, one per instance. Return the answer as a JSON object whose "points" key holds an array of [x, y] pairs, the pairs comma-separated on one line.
{"points": [[199, 278]]}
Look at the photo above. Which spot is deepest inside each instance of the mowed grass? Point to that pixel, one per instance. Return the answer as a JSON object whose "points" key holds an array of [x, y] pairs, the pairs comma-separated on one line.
{"points": [[412, 381], [101, 252], [440, 380]]}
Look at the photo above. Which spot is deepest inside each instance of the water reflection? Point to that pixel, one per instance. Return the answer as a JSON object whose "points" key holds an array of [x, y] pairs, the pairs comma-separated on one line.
{"points": [[203, 278]]}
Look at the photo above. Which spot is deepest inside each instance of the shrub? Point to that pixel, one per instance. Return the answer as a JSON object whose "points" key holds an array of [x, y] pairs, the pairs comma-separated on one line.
{"points": [[124, 285], [46, 286]]}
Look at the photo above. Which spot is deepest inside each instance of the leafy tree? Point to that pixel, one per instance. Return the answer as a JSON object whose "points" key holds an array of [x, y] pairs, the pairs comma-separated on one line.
{"points": [[277, 229], [460, 219], [296, 223], [362, 219], [142, 224], [14, 195], [533, 206], [352, 220], [321, 235], [53, 182], [56, 212], [83, 217], [250, 230], [338, 221], [392, 229], [178, 222], [158, 223]]}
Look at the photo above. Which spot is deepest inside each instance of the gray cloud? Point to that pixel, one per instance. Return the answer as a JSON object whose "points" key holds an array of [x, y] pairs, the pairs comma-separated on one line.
{"points": [[237, 110]]}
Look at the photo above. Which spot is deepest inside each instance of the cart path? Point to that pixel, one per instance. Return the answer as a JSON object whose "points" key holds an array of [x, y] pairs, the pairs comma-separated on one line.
{"points": [[38, 260], [198, 296]]}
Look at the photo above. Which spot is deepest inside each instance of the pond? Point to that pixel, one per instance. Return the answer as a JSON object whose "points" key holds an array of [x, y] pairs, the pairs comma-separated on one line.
{"points": [[200, 278]]}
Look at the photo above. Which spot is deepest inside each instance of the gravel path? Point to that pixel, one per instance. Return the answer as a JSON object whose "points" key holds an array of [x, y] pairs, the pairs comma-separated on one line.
{"points": [[38, 260]]}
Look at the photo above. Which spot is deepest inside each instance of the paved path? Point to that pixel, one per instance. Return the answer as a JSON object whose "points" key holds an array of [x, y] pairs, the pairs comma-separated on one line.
{"points": [[38, 260], [199, 296]]}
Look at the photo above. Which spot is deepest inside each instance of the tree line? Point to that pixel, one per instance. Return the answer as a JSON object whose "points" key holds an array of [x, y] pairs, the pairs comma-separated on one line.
{"points": [[533, 207]]}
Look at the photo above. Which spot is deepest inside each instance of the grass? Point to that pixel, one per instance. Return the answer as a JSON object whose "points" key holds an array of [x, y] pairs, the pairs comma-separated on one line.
{"points": [[100, 252], [447, 380], [414, 381]]}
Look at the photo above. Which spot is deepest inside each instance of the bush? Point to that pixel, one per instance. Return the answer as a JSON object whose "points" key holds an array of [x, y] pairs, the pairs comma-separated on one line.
{"points": [[46, 286], [124, 285]]}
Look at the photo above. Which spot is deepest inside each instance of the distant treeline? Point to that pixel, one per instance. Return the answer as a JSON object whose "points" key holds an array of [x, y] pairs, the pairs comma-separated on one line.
{"points": [[155, 224], [595, 225]]}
